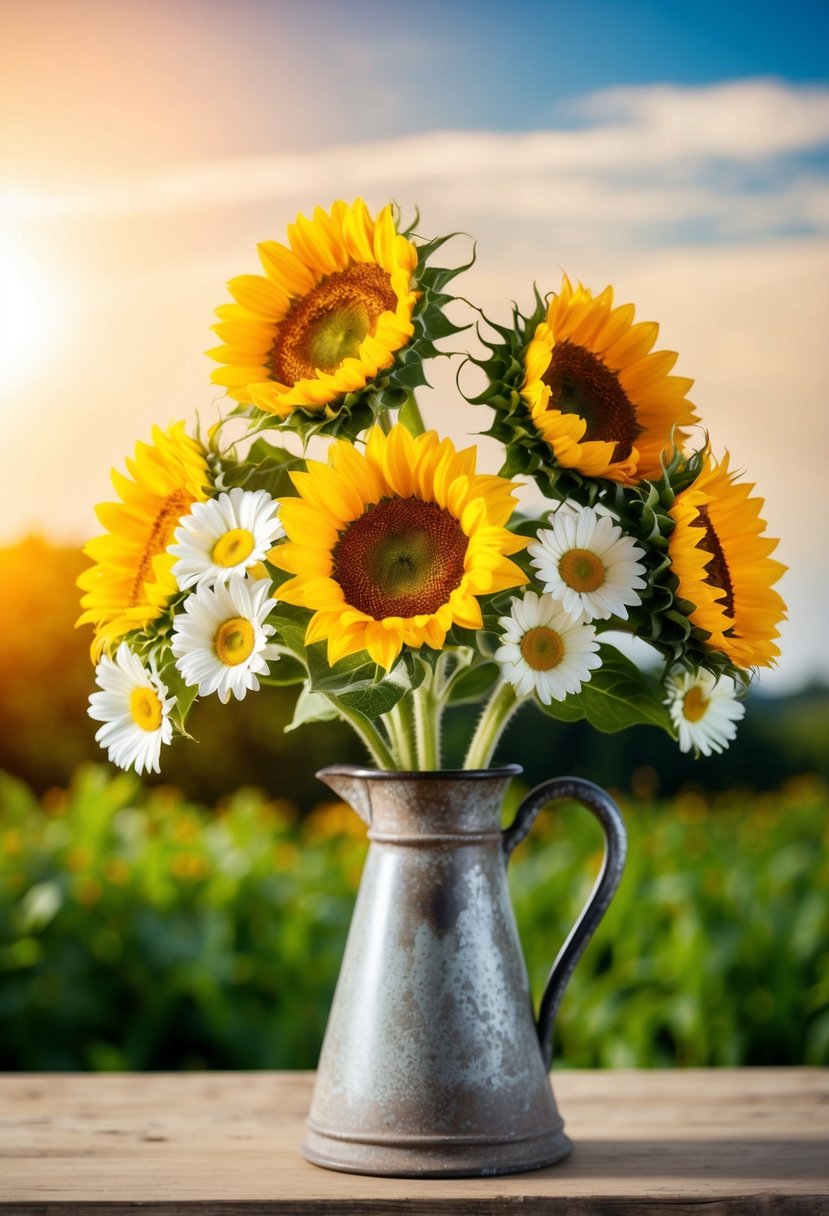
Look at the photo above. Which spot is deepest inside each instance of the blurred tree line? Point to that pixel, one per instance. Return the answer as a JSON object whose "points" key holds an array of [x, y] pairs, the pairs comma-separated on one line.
{"points": [[45, 731]]}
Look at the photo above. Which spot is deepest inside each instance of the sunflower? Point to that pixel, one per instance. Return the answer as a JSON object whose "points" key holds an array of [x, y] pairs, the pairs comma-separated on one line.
{"points": [[722, 562], [392, 547], [598, 393], [132, 581], [327, 318]]}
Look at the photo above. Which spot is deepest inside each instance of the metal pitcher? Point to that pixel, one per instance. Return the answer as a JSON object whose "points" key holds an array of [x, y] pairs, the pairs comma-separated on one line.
{"points": [[433, 1064]]}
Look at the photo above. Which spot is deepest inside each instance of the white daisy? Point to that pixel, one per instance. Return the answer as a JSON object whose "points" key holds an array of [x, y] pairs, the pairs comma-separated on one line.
{"points": [[220, 640], [586, 562], [544, 650], [704, 710], [221, 538], [134, 706]]}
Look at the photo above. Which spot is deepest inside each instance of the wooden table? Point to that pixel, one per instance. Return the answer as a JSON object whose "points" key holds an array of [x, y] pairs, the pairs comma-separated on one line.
{"points": [[746, 1141]]}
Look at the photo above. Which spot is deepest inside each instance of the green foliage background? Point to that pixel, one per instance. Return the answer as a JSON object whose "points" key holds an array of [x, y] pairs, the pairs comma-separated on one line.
{"points": [[140, 931]]}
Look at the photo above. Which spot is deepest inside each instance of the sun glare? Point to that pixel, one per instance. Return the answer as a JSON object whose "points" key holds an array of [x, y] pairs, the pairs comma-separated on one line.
{"points": [[28, 311]]}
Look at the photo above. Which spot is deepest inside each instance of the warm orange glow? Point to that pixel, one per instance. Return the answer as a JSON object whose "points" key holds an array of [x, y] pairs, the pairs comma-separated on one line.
{"points": [[28, 313]]}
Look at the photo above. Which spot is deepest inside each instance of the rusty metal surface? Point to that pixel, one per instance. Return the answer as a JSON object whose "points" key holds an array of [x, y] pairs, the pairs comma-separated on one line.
{"points": [[431, 1063]]}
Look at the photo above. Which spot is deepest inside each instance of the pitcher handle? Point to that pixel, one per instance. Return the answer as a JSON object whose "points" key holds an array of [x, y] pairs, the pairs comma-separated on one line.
{"points": [[609, 816]]}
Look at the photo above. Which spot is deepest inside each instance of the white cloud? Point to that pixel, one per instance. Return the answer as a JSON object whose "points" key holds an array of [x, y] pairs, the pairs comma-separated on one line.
{"points": [[654, 154], [735, 120]]}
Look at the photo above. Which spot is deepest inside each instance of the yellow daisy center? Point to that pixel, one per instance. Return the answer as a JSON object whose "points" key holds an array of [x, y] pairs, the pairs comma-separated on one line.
{"points": [[145, 708], [580, 383], [694, 704], [717, 572], [542, 648], [328, 324], [582, 570], [166, 521], [233, 547], [403, 557], [234, 641]]}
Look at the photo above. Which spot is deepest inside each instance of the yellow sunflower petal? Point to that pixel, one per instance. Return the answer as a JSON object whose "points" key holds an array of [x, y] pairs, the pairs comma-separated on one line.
{"points": [[260, 296], [407, 565], [590, 362], [131, 583], [722, 562], [334, 307]]}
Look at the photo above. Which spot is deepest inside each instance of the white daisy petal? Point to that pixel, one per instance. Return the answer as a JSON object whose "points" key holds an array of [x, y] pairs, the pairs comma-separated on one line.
{"points": [[135, 709], [589, 565], [544, 650], [222, 538], [220, 641], [704, 710]]}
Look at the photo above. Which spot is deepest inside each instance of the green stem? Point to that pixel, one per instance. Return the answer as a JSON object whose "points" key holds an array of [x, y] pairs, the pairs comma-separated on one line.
{"points": [[400, 726], [499, 709], [427, 726], [377, 747], [411, 416]]}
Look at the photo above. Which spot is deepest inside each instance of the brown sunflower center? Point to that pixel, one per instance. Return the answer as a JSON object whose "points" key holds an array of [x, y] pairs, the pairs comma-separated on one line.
{"points": [[166, 521], [328, 324], [717, 572], [402, 557], [581, 384], [542, 648]]}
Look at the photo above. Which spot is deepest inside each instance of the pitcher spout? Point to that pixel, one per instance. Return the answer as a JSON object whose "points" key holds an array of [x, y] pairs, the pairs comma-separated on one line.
{"points": [[350, 785]]}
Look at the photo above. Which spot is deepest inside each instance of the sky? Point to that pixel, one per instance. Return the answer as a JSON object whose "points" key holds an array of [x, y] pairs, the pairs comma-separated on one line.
{"points": [[679, 152]]}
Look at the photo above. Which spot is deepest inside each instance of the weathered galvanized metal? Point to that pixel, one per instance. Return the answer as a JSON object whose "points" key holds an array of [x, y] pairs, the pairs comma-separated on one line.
{"points": [[432, 1063]]}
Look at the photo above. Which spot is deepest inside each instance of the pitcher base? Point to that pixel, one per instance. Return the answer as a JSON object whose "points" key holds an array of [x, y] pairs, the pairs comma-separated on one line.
{"points": [[433, 1157]]}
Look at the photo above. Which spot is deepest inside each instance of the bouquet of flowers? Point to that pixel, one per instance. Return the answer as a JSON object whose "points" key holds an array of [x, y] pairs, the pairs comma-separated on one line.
{"points": [[392, 577]]}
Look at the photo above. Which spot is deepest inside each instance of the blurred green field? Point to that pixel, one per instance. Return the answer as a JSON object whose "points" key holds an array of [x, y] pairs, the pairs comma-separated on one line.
{"points": [[140, 931]]}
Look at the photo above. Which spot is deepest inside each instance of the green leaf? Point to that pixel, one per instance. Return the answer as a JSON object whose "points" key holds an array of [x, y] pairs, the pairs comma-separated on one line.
{"points": [[417, 665], [185, 694], [290, 624], [571, 709], [311, 707], [266, 468], [410, 376], [374, 701], [471, 684], [617, 696], [620, 695], [356, 670], [285, 670]]}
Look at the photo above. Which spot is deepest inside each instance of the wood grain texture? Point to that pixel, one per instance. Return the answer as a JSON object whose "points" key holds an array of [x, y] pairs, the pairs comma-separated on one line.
{"points": [[745, 1142]]}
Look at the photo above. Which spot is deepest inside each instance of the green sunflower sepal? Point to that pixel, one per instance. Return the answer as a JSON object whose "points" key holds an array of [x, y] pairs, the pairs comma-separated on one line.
{"points": [[526, 453]]}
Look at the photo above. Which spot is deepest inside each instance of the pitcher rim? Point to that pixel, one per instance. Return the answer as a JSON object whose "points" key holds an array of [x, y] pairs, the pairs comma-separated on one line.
{"points": [[438, 774]]}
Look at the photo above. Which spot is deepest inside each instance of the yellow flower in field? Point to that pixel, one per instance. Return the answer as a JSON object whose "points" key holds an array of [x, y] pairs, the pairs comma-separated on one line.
{"points": [[598, 393], [132, 581], [392, 547], [332, 309], [722, 561]]}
